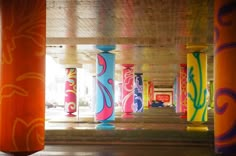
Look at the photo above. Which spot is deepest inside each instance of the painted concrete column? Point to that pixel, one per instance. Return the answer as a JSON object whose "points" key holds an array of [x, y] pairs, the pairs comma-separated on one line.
{"points": [[178, 108], [128, 88], [150, 93], [145, 94], [211, 93], [225, 84], [70, 91], [22, 76], [105, 84], [138, 93], [183, 90], [175, 92], [197, 87], [94, 96]]}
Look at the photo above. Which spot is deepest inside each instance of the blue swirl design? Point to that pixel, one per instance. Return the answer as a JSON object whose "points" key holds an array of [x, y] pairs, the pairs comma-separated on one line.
{"points": [[138, 90], [220, 92], [224, 10]]}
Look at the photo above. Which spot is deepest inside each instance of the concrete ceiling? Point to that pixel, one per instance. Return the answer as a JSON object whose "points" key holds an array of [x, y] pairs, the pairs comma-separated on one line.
{"points": [[151, 34]]}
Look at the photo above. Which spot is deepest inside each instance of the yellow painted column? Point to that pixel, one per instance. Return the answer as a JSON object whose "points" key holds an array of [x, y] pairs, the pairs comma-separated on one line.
{"points": [[22, 76], [225, 77], [145, 94], [197, 87]]}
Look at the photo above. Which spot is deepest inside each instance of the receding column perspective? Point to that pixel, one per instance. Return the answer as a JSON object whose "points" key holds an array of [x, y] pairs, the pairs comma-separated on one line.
{"points": [[123, 77], [175, 86], [105, 84], [138, 93], [197, 87], [128, 88], [225, 77], [183, 90], [70, 91], [178, 108], [22, 76]]}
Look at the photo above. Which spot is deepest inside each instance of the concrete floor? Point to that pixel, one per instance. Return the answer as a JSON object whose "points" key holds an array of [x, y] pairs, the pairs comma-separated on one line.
{"points": [[123, 150], [155, 132]]}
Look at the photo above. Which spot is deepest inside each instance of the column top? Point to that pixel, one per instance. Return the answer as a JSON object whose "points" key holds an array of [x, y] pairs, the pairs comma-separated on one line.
{"points": [[196, 47], [105, 48]]}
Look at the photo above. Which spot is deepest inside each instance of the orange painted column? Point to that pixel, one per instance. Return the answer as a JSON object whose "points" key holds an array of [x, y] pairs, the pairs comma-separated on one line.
{"points": [[22, 75], [225, 77]]}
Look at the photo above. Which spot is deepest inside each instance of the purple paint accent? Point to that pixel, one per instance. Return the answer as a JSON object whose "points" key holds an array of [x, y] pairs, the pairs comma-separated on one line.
{"points": [[225, 150], [223, 91], [107, 110], [225, 46], [223, 11], [102, 62], [227, 135]]}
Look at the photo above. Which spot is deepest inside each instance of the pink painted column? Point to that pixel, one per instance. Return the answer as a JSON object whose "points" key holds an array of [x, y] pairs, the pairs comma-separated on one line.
{"points": [[150, 93], [70, 91], [183, 90], [128, 88], [178, 108]]}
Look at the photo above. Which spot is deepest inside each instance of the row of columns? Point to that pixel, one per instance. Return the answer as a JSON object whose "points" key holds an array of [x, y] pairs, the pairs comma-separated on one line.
{"points": [[22, 78], [132, 93], [131, 88]]}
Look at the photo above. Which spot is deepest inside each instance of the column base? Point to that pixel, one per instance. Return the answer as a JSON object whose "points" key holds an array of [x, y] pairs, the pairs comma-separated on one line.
{"points": [[70, 115], [128, 115], [105, 126], [23, 153], [183, 115], [198, 126]]}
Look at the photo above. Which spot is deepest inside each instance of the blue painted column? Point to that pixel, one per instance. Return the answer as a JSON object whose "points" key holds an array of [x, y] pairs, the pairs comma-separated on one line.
{"points": [[138, 93], [105, 84], [175, 92]]}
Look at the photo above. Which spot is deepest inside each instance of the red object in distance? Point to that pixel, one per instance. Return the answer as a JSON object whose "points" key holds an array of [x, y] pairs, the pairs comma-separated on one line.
{"points": [[163, 97]]}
